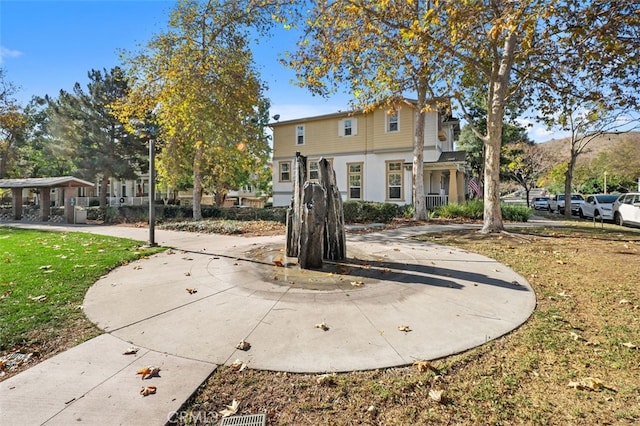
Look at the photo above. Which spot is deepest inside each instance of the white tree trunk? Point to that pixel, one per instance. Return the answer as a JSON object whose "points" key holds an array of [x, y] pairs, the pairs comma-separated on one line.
{"points": [[498, 93], [417, 175]]}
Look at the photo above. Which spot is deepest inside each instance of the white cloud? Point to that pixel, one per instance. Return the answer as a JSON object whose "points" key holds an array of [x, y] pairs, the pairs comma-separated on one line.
{"points": [[5, 52]]}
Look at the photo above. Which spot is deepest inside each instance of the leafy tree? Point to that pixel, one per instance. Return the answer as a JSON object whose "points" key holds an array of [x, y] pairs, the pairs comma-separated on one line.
{"points": [[200, 81], [101, 144], [447, 50], [523, 163], [497, 47], [13, 127], [589, 79], [42, 154]]}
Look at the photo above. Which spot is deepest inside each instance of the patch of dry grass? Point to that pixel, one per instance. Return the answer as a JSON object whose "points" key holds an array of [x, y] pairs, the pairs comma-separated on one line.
{"points": [[586, 325]]}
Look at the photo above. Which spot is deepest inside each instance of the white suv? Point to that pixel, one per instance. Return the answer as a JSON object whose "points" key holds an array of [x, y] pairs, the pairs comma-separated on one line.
{"points": [[626, 209]]}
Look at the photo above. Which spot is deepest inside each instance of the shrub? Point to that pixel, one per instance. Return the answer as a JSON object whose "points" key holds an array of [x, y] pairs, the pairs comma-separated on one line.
{"points": [[515, 213], [369, 212], [474, 210]]}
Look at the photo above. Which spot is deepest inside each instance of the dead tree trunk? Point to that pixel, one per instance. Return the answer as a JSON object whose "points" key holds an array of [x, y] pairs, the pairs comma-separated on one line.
{"points": [[312, 231], [335, 239], [294, 212], [315, 219]]}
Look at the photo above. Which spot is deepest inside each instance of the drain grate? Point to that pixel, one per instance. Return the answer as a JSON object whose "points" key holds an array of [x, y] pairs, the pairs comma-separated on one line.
{"points": [[248, 420]]}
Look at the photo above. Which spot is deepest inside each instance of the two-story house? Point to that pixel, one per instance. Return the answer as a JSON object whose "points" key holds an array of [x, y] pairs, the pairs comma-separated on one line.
{"points": [[372, 155]]}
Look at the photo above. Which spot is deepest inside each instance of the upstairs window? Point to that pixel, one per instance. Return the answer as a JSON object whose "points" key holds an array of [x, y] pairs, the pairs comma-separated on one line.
{"points": [[393, 121], [348, 127], [300, 135]]}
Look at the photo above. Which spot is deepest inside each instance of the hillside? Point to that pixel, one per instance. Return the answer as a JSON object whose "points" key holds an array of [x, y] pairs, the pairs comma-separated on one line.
{"points": [[558, 149]]}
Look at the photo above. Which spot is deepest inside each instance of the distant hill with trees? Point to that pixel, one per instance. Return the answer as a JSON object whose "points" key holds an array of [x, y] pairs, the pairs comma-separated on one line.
{"points": [[617, 154]]}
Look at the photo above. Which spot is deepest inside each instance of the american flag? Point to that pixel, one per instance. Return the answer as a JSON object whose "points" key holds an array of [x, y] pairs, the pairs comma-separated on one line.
{"points": [[474, 188]]}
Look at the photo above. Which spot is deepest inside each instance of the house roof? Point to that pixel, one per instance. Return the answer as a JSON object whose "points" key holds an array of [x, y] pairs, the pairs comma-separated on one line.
{"points": [[407, 101], [49, 182], [452, 157]]}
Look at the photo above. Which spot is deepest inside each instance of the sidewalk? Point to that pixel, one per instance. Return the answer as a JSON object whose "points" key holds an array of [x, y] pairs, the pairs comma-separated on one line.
{"points": [[449, 299]]}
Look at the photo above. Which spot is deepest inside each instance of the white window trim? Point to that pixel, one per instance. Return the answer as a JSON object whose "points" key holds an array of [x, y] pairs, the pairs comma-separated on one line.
{"points": [[349, 174], [387, 122], [280, 171], [386, 177], [342, 127]]}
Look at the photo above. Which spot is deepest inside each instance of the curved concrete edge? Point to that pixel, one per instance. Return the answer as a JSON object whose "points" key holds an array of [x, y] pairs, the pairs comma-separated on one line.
{"points": [[451, 299]]}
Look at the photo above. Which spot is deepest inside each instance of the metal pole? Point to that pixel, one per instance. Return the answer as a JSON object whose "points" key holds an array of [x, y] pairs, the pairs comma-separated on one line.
{"points": [[605, 182], [152, 193]]}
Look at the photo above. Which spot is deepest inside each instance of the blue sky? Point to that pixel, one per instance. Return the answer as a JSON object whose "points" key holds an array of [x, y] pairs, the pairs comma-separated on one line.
{"points": [[48, 45]]}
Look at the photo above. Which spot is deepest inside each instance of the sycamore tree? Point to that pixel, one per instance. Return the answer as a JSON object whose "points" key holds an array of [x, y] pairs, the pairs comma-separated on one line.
{"points": [[590, 78], [455, 49], [199, 80], [435, 49], [373, 51]]}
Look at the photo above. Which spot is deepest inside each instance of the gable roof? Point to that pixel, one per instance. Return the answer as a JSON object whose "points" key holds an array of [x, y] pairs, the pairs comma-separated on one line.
{"points": [[49, 182]]}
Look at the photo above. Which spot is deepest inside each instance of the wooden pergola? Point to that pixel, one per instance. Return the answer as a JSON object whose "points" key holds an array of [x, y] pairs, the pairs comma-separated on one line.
{"points": [[45, 185]]}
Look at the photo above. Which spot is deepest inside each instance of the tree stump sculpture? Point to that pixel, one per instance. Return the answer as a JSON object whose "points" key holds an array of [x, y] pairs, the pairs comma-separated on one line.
{"points": [[315, 219]]}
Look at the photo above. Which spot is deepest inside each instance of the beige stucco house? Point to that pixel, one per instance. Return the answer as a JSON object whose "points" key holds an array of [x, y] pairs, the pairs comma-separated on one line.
{"points": [[372, 154]]}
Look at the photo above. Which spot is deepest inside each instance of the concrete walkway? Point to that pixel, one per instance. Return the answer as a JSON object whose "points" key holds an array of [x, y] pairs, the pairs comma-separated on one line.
{"points": [[450, 300]]}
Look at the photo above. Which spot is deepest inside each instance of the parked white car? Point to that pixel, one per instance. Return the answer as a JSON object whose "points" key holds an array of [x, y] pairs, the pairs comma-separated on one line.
{"points": [[541, 203], [598, 206], [556, 203], [626, 209]]}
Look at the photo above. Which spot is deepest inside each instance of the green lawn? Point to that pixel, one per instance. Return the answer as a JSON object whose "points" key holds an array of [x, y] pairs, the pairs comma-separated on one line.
{"points": [[45, 275]]}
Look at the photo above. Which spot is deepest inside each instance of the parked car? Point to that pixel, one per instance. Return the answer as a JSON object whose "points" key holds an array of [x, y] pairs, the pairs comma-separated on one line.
{"points": [[598, 206], [541, 203], [626, 209], [556, 203]]}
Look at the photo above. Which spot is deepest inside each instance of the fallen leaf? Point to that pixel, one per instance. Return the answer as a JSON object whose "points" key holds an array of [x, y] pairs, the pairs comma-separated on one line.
{"points": [[191, 290], [243, 345], [424, 366], [187, 274], [137, 267], [576, 336], [148, 372], [148, 390], [40, 298], [326, 379], [589, 383], [278, 262], [404, 328], [231, 409], [238, 365], [322, 326], [436, 395], [131, 351], [357, 283], [629, 345]]}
